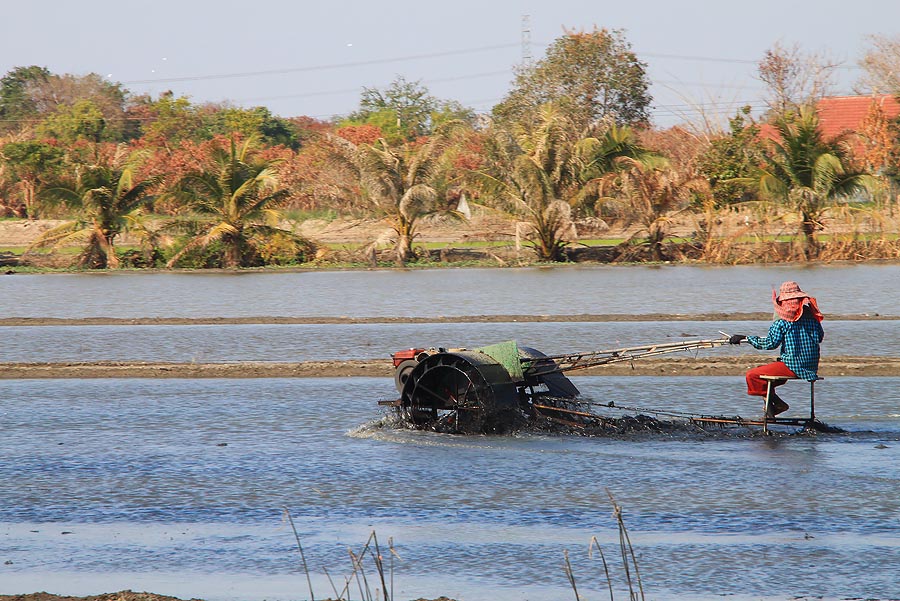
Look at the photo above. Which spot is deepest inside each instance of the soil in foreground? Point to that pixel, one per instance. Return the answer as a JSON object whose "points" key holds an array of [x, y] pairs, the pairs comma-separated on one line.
{"points": [[119, 596]]}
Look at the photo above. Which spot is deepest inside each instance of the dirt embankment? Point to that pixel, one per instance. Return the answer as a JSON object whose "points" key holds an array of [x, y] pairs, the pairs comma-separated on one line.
{"points": [[119, 596], [670, 366], [682, 366]]}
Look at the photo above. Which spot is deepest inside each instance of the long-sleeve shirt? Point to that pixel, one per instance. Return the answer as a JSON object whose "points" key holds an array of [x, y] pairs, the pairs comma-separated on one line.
{"points": [[799, 341]]}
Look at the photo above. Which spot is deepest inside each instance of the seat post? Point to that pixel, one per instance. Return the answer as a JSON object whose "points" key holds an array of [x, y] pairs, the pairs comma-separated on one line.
{"points": [[766, 406], [812, 401]]}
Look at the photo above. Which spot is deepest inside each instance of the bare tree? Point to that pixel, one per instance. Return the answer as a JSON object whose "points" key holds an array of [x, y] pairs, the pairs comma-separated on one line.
{"points": [[881, 65], [795, 78]]}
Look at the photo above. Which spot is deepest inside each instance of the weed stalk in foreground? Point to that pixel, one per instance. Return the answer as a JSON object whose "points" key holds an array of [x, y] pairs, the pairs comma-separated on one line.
{"points": [[629, 560]]}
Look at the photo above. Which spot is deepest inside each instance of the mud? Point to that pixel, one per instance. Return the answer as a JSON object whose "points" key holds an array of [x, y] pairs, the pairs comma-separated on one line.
{"points": [[685, 366], [119, 596]]}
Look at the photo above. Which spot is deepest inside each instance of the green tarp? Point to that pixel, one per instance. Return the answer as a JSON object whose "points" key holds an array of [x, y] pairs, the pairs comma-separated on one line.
{"points": [[507, 355]]}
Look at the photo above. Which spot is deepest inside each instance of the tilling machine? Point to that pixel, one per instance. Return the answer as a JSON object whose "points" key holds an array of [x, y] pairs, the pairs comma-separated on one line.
{"points": [[498, 388]]}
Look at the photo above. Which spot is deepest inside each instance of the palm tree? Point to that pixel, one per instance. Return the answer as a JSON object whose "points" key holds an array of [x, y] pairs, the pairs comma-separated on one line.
{"points": [[534, 176], [403, 184], [807, 172], [107, 198], [597, 153], [234, 195], [654, 192]]}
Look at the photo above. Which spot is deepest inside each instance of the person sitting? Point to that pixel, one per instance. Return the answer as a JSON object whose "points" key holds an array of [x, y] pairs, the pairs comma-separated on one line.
{"points": [[797, 329]]}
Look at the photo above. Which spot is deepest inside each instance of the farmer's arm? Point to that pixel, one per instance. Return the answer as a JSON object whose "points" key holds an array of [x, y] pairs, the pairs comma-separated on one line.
{"points": [[773, 340]]}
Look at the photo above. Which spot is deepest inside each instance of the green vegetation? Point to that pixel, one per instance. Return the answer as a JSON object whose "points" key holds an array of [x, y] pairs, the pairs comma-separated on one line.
{"points": [[568, 159]]}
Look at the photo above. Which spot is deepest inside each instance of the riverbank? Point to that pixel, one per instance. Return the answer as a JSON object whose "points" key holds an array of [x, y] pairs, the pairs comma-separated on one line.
{"points": [[118, 596], [490, 240], [684, 366]]}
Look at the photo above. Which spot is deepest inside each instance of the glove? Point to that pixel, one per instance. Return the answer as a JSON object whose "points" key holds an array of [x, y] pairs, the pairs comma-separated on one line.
{"points": [[736, 339]]}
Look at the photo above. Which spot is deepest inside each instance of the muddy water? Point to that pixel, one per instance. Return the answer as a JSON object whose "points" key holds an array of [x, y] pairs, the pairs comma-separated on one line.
{"points": [[558, 291], [216, 343], [178, 486]]}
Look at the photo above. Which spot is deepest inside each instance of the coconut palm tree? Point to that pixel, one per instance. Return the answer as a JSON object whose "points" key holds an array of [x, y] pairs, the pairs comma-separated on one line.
{"points": [[106, 198], [596, 155], [534, 174], [808, 172], [234, 195], [654, 191], [401, 183]]}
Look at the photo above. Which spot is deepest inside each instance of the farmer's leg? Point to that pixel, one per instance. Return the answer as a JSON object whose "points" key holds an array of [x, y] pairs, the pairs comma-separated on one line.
{"points": [[756, 386]]}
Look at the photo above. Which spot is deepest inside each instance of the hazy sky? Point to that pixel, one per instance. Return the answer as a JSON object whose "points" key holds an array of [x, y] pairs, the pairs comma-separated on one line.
{"points": [[313, 58]]}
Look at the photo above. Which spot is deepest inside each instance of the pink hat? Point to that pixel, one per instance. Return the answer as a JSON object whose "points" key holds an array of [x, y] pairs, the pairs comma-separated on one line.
{"points": [[791, 290], [790, 300]]}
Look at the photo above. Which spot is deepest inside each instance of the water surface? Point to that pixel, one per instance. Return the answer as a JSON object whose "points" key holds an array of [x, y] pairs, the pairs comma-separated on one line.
{"points": [[568, 290], [307, 342], [179, 483]]}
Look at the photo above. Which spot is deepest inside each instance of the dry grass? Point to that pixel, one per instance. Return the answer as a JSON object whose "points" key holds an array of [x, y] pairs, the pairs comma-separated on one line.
{"points": [[368, 567]]}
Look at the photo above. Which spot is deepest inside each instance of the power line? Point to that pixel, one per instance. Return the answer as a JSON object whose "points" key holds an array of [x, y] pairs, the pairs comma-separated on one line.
{"points": [[357, 89], [307, 69]]}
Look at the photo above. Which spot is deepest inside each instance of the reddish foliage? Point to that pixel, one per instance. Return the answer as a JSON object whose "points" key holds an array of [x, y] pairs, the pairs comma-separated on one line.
{"points": [[360, 134], [676, 143], [310, 128], [470, 156]]}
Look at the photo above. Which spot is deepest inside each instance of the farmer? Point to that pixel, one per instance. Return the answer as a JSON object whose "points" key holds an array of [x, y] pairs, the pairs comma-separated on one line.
{"points": [[797, 329]]}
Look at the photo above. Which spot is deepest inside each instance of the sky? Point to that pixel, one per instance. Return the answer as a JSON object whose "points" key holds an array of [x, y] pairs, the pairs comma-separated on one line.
{"points": [[300, 57]]}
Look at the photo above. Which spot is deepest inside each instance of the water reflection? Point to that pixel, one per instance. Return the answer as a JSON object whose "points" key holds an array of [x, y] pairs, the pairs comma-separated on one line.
{"points": [[305, 342], [567, 290], [150, 476]]}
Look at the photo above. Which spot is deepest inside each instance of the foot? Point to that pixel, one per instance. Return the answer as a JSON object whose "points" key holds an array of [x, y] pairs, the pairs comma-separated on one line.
{"points": [[776, 406]]}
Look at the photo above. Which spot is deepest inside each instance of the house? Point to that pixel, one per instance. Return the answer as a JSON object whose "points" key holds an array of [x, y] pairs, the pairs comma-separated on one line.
{"points": [[867, 131], [847, 114]]}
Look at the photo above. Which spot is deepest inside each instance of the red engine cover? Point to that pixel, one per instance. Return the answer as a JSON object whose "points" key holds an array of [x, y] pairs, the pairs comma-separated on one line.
{"points": [[401, 356]]}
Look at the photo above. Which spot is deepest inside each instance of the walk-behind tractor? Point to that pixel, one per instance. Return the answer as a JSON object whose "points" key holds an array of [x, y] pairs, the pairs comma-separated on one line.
{"points": [[498, 388]]}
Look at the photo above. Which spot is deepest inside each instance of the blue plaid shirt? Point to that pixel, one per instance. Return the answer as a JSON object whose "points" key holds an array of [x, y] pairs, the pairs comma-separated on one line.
{"points": [[799, 341]]}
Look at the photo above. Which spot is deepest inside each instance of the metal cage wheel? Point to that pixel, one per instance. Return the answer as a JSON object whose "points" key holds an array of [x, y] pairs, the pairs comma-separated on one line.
{"points": [[445, 392]]}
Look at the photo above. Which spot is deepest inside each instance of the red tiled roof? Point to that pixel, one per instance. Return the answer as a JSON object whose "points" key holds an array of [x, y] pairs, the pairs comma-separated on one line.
{"points": [[841, 114]]}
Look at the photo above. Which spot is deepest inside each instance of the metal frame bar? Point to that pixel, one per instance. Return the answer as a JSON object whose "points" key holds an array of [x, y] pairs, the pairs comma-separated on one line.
{"points": [[562, 363], [766, 420]]}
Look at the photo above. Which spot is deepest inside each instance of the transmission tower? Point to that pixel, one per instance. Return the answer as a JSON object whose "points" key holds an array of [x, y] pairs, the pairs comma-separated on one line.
{"points": [[526, 40]]}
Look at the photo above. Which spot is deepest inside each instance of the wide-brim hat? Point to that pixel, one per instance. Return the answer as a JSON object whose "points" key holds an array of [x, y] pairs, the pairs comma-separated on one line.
{"points": [[790, 290]]}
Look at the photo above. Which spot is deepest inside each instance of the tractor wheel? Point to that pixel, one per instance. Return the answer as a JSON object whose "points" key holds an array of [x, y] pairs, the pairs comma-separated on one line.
{"points": [[448, 392]]}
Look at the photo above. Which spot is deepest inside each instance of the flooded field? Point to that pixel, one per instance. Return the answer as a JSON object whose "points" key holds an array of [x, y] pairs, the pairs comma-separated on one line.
{"points": [[567, 290], [307, 342], [167, 484], [179, 486]]}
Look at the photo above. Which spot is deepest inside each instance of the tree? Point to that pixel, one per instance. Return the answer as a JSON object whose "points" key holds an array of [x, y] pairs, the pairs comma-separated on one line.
{"points": [[399, 182], [597, 155], [69, 123], [732, 159], [105, 197], [17, 104], [31, 163], [405, 110], [236, 196], [807, 172], [596, 70], [654, 191], [257, 122], [795, 79], [534, 175], [881, 65], [168, 120]]}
